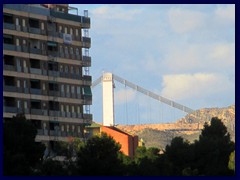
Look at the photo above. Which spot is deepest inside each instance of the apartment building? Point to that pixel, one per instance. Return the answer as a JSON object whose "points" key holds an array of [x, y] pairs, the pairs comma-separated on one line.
{"points": [[46, 68]]}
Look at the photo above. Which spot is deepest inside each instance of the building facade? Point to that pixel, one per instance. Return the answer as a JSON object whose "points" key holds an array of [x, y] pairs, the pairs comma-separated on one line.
{"points": [[46, 68], [128, 142]]}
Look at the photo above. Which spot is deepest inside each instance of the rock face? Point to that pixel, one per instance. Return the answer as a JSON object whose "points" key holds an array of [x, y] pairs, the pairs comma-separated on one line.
{"points": [[189, 127]]}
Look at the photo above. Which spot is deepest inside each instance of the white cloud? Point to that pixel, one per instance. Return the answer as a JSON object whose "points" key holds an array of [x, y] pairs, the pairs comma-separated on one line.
{"points": [[124, 95], [184, 20], [226, 13], [223, 54], [194, 86]]}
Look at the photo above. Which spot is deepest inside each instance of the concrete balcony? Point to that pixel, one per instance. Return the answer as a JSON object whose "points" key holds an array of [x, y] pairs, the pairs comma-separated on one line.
{"points": [[86, 42], [86, 60]]}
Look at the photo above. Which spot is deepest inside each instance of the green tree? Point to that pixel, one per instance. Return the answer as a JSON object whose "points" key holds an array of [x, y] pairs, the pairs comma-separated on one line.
{"points": [[213, 149], [231, 163], [21, 154], [99, 156], [146, 159], [180, 154]]}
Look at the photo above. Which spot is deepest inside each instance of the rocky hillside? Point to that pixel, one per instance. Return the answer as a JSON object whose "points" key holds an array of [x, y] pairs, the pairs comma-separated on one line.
{"points": [[189, 127]]}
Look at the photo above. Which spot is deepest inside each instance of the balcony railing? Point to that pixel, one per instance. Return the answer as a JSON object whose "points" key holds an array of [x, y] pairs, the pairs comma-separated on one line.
{"points": [[10, 47], [86, 41], [54, 113], [10, 109], [35, 71], [35, 91], [39, 112], [86, 61], [8, 26], [10, 88], [9, 67], [34, 30]]}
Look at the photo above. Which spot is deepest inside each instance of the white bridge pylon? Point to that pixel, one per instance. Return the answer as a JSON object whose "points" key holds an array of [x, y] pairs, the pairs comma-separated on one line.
{"points": [[108, 86]]}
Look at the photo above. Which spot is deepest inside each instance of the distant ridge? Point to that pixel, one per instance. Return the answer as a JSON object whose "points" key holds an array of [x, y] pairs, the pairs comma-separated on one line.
{"points": [[189, 127]]}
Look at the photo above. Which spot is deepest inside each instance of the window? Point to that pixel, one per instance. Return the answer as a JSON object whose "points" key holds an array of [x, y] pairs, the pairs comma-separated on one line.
{"points": [[71, 31], [43, 86], [66, 69], [25, 83], [67, 88], [60, 29], [18, 104], [62, 127], [73, 110], [78, 109], [17, 42], [18, 83], [24, 64], [65, 30], [23, 22], [61, 68], [25, 105], [72, 70], [62, 108], [77, 51], [34, 23], [73, 89], [42, 25], [73, 127], [78, 129], [66, 50], [71, 50], [67, 108], [67, 128], [76, 32], [24, 42], [62, 88], [78, 90], [77, 71], [61, 49], [17, 22]]}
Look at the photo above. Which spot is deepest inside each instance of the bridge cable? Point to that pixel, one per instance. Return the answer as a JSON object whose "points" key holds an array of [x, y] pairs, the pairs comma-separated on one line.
{"points": [[126, 104]]}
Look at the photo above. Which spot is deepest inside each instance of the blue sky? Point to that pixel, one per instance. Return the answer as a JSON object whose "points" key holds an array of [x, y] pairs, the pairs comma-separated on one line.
{"points": [[183, 52]]}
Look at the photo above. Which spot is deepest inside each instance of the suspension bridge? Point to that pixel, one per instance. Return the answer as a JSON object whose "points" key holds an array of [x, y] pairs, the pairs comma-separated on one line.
{"points": [[146, 106]]}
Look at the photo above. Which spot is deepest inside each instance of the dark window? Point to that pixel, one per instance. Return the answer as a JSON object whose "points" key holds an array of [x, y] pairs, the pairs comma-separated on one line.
{"points": [[35, 104], [9, 80], [53, 87], [8, 18], [9, 101], [37, 124], [9, 60], [35, 84], [53, 105], [34, 23], [53, 66], [7, 39], [35, 63]]}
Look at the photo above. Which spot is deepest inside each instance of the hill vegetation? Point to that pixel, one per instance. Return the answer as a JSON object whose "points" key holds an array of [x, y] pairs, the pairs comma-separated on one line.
{"points": [[188, 127]]}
